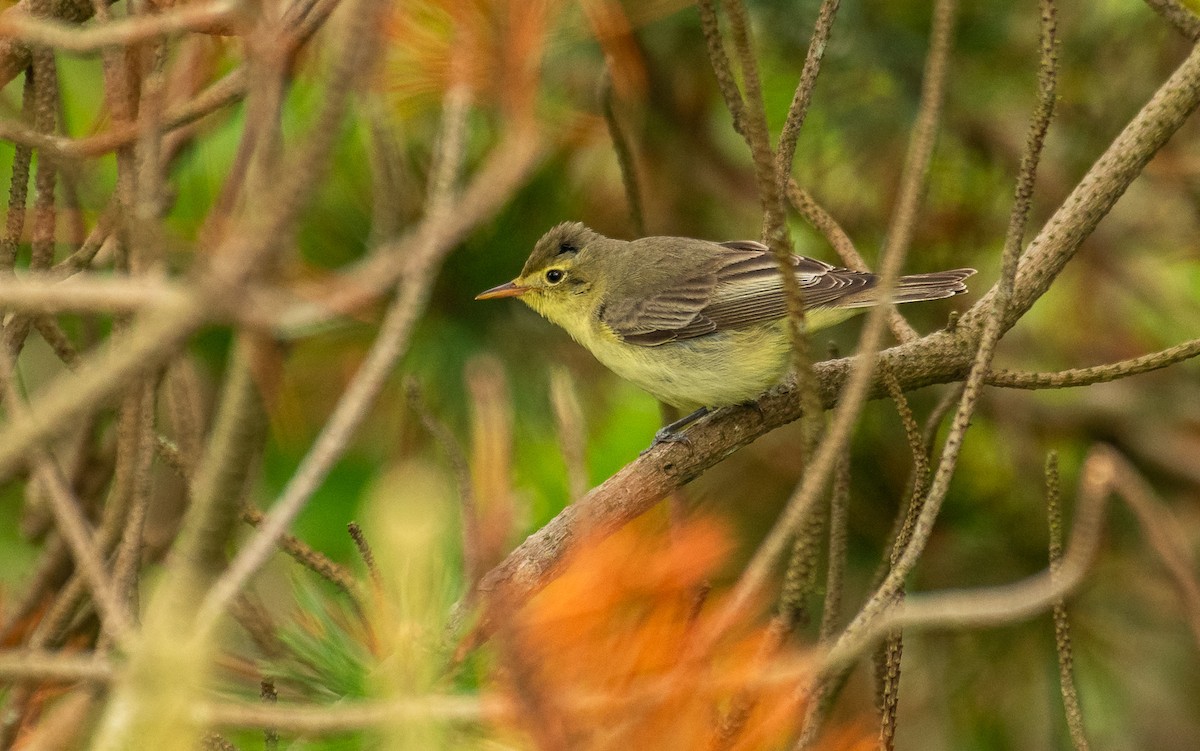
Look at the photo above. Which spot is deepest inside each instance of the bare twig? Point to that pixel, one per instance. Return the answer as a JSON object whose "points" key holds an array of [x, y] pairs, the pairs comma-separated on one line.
{"points": [[992, 329], [53, 666], [824, 222], [71, 38], [229, 89], [721, 67], [625, 159], [785, 156], [1184, 19], [69, 519], [856, 390], [367, 555], [1097, 373], [308, 557], [572, 441], [1062, 627]]}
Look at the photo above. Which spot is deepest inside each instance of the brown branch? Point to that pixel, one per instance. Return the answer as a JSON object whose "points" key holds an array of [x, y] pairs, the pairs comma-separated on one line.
{"points": [[1184, 19], [1097, 373], [1062, 627], [15, 55], [69, 517], [70, 37], [721, 67], [308, 557], [32, 664], [1004, 603], [785, 155], [922, 529], [823, 221], [228, 90]]}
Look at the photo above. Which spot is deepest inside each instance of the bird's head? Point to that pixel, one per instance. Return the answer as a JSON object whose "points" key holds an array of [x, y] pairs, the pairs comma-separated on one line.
{"points": [[559, 279]]}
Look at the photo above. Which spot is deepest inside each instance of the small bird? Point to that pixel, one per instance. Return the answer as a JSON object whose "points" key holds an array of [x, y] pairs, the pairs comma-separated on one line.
{"points": [[697, 324]]}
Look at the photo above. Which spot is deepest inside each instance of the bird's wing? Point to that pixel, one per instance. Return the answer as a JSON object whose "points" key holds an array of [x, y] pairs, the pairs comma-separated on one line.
{"points": [[750, 289], [674, 313], [741, 288]]}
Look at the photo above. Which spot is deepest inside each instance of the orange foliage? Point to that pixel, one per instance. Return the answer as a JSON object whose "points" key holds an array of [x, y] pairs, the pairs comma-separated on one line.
{"points": [[606, 657], [494, 47]]}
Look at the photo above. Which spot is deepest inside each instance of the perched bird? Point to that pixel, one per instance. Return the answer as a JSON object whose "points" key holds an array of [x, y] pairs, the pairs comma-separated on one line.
{"points": [[697, 324]]}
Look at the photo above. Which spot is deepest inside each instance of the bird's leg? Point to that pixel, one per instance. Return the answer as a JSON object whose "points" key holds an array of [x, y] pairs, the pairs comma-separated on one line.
{"points": [[673, 433]]}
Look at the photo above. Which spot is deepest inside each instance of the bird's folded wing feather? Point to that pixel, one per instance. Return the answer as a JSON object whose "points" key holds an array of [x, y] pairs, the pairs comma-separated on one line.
{"points": [[742, 289]]}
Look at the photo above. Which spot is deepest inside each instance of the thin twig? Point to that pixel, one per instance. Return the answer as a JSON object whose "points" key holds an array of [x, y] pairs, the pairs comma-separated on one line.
{"points": [[824, 222], [69, 519], [785, 155], [822, 696], [1096, 373], [1062, 627], [367, 555], [855, 393], [625, 160], [992, 329], [26, 664], [308, 557], [721, 67], [124, 32]]}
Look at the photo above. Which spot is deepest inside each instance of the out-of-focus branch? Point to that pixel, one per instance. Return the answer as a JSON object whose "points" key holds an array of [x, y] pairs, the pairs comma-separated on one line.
{"points": [[131, 30], [16, 55], [624, 153], [1162, 532], [347, 716], [19, 664]]}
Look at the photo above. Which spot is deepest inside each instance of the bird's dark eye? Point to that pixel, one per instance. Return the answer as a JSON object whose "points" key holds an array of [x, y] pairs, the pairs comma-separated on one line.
{"points": [[554, 276]]}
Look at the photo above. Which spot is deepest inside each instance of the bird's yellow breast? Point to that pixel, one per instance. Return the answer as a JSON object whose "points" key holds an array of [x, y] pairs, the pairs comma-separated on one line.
{"points": [[725, 367], [716, 370]]}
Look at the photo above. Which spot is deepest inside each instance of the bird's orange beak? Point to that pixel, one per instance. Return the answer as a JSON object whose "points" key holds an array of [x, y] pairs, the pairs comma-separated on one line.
{"points": [[508, 289]]}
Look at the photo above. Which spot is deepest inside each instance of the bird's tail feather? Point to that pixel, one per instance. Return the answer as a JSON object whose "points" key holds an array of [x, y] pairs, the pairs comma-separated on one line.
{"points": [[932, 286]]}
